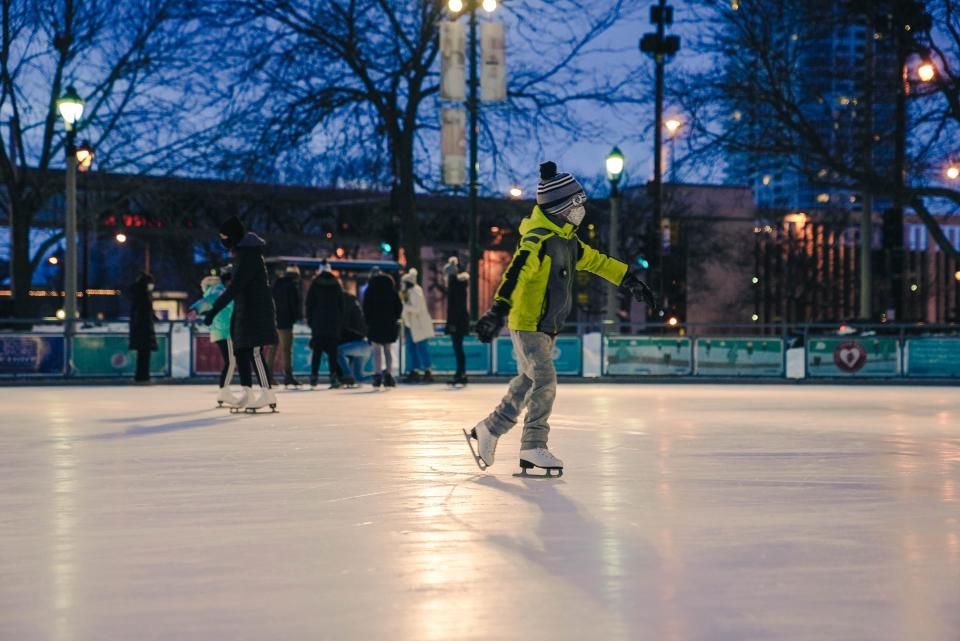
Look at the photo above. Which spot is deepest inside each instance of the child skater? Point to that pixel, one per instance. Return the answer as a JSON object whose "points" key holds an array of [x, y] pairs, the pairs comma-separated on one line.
{"points": [[534, 298], [212, 286]]}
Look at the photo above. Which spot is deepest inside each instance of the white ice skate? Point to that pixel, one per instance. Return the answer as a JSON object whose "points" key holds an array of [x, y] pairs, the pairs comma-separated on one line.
{"points": [[225, 396], [238, 403], [539, 457], [259, 400], [486, 445]]}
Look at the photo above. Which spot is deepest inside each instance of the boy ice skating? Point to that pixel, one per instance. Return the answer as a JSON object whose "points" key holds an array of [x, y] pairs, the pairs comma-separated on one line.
{"points": [[535, 297]]}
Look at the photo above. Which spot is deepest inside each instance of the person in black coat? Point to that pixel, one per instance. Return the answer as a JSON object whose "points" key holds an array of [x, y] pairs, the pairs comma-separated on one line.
{"points": [[325, 317], [254, 323], [143, 337], [382, 309], [458, 317], [353, 350], [286, 298]]}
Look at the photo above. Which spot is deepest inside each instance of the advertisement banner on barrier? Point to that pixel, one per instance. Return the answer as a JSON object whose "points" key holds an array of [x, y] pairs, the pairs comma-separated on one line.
{"points": [[567, 356], [931, 357], [32, 355], [843, 357], [748, 356], [643, 355], [443, 361], [109, 355]]}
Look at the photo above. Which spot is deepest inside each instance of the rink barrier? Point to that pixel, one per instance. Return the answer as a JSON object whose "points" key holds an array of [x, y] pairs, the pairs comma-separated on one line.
{"points": [[42, 349]]}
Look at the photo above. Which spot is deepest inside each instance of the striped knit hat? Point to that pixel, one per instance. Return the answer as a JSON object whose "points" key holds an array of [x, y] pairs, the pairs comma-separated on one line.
{"points": [[557, 192]]}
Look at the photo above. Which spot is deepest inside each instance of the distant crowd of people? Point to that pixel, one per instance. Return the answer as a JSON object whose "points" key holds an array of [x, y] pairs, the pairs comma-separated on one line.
{"points": [[252, 324]]}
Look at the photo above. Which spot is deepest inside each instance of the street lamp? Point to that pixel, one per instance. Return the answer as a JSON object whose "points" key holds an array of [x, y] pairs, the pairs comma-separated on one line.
{"points": [[516, 193], [615, 163], [473, 109], [953, 172], [926, 72], [661, 47], [121, 238], [70, 106], [673, 126]]}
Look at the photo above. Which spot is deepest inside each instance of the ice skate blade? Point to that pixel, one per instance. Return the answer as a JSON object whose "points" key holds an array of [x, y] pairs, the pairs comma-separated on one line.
{"points": [[483, 466], [547, 473]]}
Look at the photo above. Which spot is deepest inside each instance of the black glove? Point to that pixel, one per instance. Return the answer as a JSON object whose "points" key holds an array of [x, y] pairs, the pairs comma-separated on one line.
{"points": [[490, 324], [639, 290], [208, 318]]}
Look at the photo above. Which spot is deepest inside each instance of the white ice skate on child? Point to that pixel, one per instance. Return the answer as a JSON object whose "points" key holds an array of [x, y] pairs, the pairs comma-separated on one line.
{"points": [[225, 396], [539, 457], [486, 445], [259, 400]]}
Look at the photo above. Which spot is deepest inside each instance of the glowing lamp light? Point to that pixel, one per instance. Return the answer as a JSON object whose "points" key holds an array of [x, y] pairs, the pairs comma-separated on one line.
{"points": [[386, 248], [61, 314], [914, 287], [121, 238], [956, 275], [53, 260], [673, 322], [70, 106], [516, 192], [340, 252], [755, 280], [643, 262], [489, 5], [615, 163], [953, 172], [455, 5], [673, 125], [755, 318], [926, 72], [799, 219], [85, 155]]}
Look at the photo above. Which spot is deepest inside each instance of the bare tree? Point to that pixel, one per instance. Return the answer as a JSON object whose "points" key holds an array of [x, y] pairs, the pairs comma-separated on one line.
{"points": [[139, 67], [760, 99], [350, 88]]}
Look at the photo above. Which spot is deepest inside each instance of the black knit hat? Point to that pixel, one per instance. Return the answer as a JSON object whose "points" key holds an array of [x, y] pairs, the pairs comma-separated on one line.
{"points": [[232, 231], [557, 192]]}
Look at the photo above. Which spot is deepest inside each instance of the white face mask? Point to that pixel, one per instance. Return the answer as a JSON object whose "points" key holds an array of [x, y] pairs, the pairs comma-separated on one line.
{"points": [[576, 215]]}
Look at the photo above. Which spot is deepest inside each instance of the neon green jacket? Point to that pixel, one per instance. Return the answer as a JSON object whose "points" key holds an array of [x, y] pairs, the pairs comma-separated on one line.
{"points": [[538, 284]]}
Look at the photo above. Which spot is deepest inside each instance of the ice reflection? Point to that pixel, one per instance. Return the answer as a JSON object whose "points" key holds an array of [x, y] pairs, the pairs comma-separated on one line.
{"points": [[63, 515]]}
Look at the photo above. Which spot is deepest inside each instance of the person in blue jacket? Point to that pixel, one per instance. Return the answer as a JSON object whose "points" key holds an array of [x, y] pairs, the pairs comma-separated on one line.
{"points": [[212, 287]]}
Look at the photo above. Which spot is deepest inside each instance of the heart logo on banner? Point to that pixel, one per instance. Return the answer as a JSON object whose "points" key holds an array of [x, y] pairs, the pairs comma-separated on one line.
{"points": [[850, 356]]}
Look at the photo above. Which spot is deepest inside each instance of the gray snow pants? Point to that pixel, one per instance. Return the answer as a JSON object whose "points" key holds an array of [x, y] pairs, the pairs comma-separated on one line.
{"points": [[534, 388]]}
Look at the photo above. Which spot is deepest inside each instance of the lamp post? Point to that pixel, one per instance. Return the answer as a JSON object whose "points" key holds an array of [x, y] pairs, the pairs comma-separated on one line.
{"points": [[614, 164], [85, 154], [473, 110], [70, 106], [661, 48]]}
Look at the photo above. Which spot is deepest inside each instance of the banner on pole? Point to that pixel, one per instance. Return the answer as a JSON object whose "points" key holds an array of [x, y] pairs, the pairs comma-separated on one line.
{"points": [[493, 75], [453, 146], [453, 56]]}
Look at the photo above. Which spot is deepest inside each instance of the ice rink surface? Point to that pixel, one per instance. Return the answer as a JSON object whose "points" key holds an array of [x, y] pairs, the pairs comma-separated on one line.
{"points": [[687, 512]]}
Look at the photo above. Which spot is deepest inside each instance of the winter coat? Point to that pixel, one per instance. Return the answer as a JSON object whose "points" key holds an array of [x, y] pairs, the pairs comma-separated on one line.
{"points": [[254, 322], [458, 317], [354, 327], [286, 297], [142, 333], [325, 307], [382, 309], [416, 316], [220, 330], [538, 284]]}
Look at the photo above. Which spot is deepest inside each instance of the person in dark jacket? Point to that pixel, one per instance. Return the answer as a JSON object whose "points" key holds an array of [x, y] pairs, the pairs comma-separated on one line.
{"points": [[382, 309], [353, 350], [325, 317], [254, 323], [458, 317], [286, 298], [143, 337]]}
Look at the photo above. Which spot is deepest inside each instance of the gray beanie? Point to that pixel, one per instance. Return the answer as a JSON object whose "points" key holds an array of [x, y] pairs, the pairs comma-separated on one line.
{"points": [[557, 192]]}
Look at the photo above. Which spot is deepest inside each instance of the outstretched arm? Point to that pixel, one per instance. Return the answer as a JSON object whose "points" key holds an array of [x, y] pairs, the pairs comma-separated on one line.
{"points": [[596, 262]]}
